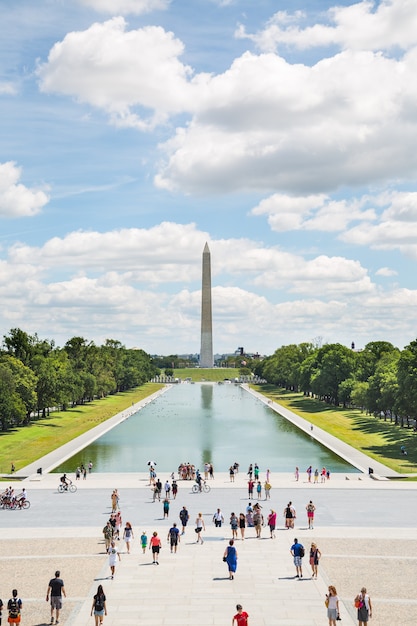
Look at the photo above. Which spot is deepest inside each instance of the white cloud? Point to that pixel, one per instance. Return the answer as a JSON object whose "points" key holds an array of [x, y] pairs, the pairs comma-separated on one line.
{"points": [[264, 124], [267, 125], [360, 26], [16, 200], [106, 281], [126, 7], [395, 228], [7, 89], [386, 271], [311, 212], [135, 76]]}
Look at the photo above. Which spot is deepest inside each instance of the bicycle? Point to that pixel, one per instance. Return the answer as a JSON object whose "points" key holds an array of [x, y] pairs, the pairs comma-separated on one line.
{"points": [[71, 487], [20, 504], [7, 503], [202, 487]]}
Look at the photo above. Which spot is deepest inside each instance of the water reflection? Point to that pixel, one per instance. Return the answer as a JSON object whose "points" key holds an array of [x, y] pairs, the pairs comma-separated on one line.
{"points": [[205, 423]]}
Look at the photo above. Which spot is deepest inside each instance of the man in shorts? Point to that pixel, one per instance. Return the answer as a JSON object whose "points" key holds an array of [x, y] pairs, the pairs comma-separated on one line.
{"points": [[55, 590], [173, 537], [297, 551]]}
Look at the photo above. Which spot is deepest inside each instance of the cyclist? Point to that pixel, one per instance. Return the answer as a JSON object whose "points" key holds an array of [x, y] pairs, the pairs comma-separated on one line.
{"points": [[198, 479], [65, 481]]}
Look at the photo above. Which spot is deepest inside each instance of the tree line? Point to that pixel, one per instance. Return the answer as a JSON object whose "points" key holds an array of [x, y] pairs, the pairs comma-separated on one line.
{"points": [[380, 379], [35, 375]]}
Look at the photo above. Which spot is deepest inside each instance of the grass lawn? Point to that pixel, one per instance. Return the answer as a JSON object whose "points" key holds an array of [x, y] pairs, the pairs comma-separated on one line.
{"points": [[214, 374], [372, 436], [22, 446]]}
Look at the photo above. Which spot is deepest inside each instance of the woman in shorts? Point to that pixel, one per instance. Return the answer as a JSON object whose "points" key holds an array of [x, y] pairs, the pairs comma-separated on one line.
{"points": [[99, 606], [128, 535], [199, 526], [155, 545]]}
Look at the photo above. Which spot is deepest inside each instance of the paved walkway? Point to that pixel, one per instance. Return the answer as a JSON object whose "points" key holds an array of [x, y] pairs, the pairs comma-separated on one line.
{"points": [[192, 586]]}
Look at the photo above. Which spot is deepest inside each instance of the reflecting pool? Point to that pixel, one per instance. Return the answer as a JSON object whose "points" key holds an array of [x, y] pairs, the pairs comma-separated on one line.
{"points": [[196, 423]]}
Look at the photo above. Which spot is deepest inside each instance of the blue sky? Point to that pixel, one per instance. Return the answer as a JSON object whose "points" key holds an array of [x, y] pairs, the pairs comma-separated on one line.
{"points": [[283, 134]]}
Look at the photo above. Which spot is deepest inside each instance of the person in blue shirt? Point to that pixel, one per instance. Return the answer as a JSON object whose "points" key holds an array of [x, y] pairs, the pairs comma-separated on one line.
{"points": [[297, 551]]}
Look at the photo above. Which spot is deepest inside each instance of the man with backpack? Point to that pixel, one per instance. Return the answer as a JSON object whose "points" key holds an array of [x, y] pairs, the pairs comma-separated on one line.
{"points": [[14, 607], [174, 537], [297, 551], [55, 590]]}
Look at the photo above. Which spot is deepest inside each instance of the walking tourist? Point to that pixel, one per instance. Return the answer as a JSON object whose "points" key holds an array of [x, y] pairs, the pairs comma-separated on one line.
{"points": [[241, 618], [184, 517], [199, 527], [155, 545], [332, 603], [14, 608], [173, 537], [251, 485], [289, 515], [108, 534], [55, 591], [234, 524], [315, 555], [114, 554], [128, 535], [242, 525], [364, 605], [99, 606], [144, 541], [310, 508], [165, 506], [218, 518], [230, 557], [297, 551], [272, 522]]}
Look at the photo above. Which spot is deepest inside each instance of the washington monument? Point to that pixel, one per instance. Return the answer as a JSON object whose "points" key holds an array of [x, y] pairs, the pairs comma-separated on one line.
{"points": [[206, 351]]}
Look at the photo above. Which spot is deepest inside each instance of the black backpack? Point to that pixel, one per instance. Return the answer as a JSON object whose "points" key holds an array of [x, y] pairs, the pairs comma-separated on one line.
{"points": [[13, 607], [99, 603]]}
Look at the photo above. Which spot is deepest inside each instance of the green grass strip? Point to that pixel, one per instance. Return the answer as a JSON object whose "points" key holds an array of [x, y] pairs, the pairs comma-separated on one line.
{"points": [[373, 436]]}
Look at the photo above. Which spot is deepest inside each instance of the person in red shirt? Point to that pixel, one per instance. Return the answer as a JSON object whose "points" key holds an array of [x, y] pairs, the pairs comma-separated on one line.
{"points": [[241, 618], [155, 545]]}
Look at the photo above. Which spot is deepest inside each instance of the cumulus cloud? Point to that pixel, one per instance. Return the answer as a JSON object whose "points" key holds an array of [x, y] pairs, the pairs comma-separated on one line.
{"points": [[263, 124], [17, 200], [135, 76], [395, 228], [386, 271], [312, 212], [364, 25], [126, 7], [107, 281], [266, 124]]}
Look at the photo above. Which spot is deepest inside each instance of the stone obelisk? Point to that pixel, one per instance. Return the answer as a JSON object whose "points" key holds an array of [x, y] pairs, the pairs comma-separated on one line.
{"points": [[206, 351]]}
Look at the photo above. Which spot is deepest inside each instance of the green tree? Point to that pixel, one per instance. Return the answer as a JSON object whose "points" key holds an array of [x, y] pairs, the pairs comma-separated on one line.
{"points": [[407, 381], [12, 408], [334, 363], [24, 383]]}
